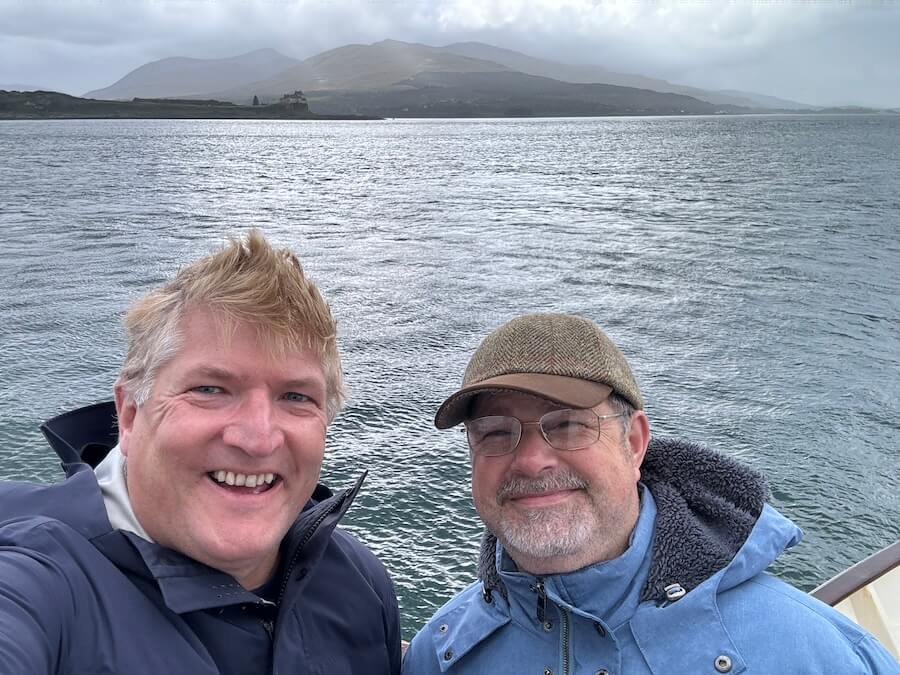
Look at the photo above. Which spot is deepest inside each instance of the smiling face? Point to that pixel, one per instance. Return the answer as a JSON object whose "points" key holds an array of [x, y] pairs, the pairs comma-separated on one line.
{"points": [[221, 411], [556, 511]]}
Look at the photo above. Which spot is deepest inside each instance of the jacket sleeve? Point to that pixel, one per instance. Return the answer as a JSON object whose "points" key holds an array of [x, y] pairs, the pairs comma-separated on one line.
{"points": [[34, 606], [878, 660], [420, 658], [393, 631]]}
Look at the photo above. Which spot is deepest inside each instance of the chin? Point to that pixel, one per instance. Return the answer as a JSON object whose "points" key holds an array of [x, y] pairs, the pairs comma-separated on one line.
{"points": [[232, 556]]}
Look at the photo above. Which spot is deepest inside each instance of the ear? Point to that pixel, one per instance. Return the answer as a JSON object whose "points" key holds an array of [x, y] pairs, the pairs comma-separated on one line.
{"points": [[637, 438], [126, 410]]}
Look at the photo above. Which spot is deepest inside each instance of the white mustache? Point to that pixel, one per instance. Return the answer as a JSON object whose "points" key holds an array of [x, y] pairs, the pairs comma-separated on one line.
{"points": [[516, 487]]}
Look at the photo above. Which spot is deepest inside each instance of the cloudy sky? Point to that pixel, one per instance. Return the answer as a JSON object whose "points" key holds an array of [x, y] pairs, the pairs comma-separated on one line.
{"points": [[824, 52]]}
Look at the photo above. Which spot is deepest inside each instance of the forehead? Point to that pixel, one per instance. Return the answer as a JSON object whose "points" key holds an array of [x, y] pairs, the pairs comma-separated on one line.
{"points": [[208, 339], [514, 403]]}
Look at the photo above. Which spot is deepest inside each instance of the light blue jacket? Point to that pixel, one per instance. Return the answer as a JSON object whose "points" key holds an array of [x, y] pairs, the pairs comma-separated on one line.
{"points": [[704, 527]]}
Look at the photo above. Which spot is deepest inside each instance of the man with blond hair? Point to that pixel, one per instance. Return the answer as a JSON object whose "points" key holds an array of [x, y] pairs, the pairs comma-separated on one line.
{"points": [[606, 552], [202, 542]]}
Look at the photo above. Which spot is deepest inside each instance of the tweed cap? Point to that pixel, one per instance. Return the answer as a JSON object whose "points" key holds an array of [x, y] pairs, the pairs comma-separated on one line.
{"points": [[561, 357]]}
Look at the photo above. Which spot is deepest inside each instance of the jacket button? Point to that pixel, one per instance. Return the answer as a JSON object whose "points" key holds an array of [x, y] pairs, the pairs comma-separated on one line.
{"points": [[600, 629], [548, 671], [723, 664], [548, 625], [448, 655], [602, 671]]}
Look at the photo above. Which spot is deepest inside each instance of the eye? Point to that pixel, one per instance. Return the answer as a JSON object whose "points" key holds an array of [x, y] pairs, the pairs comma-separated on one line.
{"points": [[565, 426], [490, 429], [207, 389], [296, 397]]}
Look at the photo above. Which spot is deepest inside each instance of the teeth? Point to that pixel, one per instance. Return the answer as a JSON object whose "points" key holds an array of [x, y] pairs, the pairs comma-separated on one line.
{"points": [[251, 480]]}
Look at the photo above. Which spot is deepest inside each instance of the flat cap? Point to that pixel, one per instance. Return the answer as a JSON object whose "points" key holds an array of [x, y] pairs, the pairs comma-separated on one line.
{"points": [[564, 358]]}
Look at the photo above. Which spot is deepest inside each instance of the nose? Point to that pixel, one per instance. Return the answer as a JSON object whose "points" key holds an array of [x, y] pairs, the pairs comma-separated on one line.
{"points": [[254, 428], [533, 455]]}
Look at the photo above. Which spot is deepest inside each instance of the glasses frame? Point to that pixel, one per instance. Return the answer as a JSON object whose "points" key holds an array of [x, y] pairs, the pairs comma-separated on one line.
{"points": [[540, 425]]}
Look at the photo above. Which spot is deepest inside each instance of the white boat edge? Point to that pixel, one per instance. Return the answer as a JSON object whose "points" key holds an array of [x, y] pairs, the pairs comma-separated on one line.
{"points": [[869, 594]]}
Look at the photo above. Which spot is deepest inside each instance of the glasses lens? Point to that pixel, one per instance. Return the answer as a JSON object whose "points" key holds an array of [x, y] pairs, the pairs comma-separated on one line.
{"points": [[570, 429], [493, 435]]}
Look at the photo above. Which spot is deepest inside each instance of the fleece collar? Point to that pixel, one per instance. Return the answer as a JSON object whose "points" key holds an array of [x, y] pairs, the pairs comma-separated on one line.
{"points": [[706, 505]]}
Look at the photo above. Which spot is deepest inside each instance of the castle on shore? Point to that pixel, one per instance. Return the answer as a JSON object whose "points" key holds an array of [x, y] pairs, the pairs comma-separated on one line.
{"points": [[296, 101]]}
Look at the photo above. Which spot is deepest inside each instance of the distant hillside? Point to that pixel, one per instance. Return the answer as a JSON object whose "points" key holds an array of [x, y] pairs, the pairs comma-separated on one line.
{"points": [[768, 101], [600, 75], [183, 77], [360, 68], [507, 94]]}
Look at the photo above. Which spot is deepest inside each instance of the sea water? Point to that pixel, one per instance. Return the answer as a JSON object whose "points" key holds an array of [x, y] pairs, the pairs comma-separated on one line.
{"points": [[747, 266]]}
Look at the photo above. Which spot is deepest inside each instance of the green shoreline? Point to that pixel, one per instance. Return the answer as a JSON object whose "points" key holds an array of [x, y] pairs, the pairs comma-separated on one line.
{"points": [[19, 105]]}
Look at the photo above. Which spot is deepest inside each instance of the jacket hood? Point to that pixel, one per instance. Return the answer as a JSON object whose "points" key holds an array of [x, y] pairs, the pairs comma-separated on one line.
{"points": [[707, 505]]}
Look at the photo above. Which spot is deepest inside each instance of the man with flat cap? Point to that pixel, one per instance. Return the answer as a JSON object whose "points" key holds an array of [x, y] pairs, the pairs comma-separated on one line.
{"points": [[606, 551]]}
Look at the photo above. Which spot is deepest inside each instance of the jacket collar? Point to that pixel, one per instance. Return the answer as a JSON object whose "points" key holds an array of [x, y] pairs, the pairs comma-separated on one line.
{"points": [[657, 627], [707, 504], [188, 585]]}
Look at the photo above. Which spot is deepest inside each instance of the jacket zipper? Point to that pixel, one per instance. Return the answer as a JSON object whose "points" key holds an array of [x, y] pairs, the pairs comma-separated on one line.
{"points": [[309, 533], [564, 616], [290, 568]]}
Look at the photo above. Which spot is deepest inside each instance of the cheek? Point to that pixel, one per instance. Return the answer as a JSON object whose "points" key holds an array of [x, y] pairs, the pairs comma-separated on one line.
{"points": [[309, 447], [485, 481]]}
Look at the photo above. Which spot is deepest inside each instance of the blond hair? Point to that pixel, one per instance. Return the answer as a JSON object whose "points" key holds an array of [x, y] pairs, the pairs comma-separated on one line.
{"points": [[246, 282]]}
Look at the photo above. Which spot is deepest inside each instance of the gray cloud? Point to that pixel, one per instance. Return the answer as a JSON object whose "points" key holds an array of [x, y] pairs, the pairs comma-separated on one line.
{"points": [[819, 51]]}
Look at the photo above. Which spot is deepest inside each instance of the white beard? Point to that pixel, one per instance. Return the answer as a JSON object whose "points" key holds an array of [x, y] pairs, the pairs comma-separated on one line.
{"points": [[548, 532]]}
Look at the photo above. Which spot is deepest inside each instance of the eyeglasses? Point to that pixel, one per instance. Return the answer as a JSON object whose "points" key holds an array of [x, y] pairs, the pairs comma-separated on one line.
{"points": [[568, 429]]}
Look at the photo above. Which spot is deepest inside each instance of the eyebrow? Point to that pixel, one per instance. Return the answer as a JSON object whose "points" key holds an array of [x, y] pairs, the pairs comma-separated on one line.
{"points": [[211, 371], [300, 383], [216, 373]]}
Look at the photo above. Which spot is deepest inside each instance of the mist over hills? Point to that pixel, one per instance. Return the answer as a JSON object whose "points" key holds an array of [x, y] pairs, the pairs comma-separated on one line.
{"points": [[378, 79], [187, 77], [589, 74]]}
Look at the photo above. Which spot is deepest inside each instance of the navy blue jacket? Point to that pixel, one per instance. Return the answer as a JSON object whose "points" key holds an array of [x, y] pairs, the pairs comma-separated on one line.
{"points": [[77, 596]]}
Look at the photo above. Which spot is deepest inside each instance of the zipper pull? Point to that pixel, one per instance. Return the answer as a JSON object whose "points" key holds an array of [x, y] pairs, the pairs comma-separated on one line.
{"points": [[541, 600], [269, 625]]}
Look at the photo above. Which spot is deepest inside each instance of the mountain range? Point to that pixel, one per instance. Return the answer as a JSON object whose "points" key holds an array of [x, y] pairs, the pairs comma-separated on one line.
{"points": [[392, 78]]}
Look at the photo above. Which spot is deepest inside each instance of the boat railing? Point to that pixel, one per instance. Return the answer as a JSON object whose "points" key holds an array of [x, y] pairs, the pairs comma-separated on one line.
{"points": [[869, 594]]}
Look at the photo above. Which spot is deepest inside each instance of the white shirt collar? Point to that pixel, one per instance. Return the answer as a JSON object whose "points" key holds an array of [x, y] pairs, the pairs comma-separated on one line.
{"points": [[111, 478]]}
